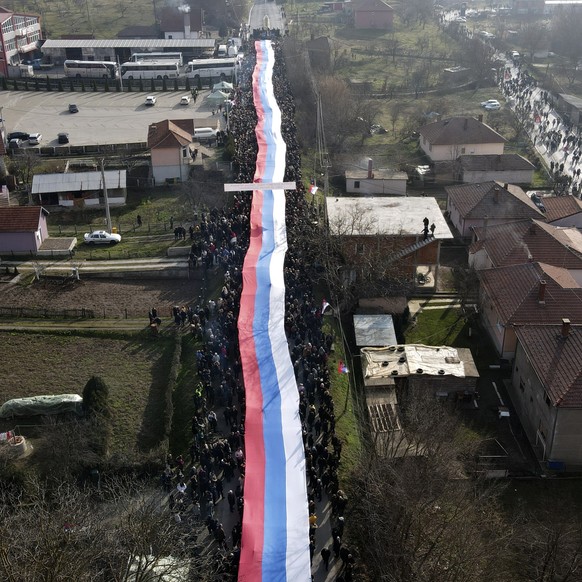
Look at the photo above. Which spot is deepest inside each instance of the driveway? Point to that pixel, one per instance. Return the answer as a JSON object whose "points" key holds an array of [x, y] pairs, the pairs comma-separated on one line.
{"points": [[103, 118]]}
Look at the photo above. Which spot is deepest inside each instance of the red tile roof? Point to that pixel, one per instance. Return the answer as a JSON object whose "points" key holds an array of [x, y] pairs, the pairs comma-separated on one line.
{"points": [[493, 200], [523, 241], [513, 291], [558, 207], [556, 361], [459, 130], [21, 218], [170, 133]]}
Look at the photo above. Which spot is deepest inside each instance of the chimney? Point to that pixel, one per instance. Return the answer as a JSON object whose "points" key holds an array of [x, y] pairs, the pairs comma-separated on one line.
{"points": [[480, 118], [370, 169], [565, 327], [186, 24], [542, 292], [506, 186], [496, 199]]}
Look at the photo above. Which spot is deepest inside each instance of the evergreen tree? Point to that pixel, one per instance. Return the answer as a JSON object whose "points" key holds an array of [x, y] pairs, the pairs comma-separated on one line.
{"points": [[106, 85], [176, 87], [36, 85], [164, 84], [48, 84], [83, 89], [128, 85], [60, 86], [141, 85], [153, 85], [188, 87], [96, 397]]}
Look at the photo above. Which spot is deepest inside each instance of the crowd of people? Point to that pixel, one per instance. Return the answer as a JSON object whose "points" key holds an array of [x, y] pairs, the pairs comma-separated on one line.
{"points": [[214, 473], [557, 139]]}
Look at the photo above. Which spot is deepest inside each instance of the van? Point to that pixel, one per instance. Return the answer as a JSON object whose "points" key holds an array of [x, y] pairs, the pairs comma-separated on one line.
{"points": [[204, 134], [222, 51]]}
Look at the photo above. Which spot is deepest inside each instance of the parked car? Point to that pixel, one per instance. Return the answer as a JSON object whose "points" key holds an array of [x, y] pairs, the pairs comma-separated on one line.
{"points": [[492, 106], [185, 100], [34, 138], [63, 138], [101, 237], [18, 135], [150, 100], [15, 143], [73, 108], [515, 55], [491, 103]]}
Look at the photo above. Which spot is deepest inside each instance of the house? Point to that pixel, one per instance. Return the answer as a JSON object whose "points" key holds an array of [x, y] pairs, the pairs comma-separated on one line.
{"points": [[389, 234], [23, 229], [508, 168], [546, 390], [373, 14], [20, 34], [472, 206], [170, 144], [80, 189], [320, 52], [526, 294], [563, 210], [523, 241], [376, 182], [570, 107], [447, 139], [181, 23]]}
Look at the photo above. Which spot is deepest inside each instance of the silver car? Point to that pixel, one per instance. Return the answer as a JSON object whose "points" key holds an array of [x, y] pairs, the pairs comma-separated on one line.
{"points": [[101, 237]]}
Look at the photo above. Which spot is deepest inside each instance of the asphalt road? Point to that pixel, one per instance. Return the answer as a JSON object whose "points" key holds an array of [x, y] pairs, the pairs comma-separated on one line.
{"points": [[103, 118], [260, 10]]}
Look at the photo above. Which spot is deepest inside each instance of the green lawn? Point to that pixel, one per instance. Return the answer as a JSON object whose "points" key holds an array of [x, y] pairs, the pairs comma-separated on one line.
{"points": [[438, 327], [133, 366]]}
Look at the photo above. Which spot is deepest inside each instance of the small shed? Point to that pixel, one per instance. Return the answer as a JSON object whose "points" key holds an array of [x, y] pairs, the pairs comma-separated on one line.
{"points": [[379, 182], [374, 330], [80, 189]]}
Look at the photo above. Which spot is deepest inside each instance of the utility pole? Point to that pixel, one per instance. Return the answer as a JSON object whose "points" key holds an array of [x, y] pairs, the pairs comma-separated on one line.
{"points": [[107, 214]]}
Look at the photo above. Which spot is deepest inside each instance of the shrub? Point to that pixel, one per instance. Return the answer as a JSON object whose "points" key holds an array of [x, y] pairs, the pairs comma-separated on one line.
{"points": [[96, 397]]}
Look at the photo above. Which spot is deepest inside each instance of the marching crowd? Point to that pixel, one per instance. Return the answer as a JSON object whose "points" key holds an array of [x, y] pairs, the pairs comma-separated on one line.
{"points": [[559, 140], [216, 469]]}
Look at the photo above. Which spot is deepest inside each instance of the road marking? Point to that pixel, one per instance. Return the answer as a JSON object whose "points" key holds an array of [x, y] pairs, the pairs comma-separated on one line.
{"points": [[498, 395]]}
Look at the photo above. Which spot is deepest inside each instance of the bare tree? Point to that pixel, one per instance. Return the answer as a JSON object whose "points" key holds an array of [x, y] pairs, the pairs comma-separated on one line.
{"points": [[533, 37]]}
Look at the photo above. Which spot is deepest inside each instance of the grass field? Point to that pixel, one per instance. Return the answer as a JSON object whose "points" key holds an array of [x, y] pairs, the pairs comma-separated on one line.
{"points": [[133, 367]]}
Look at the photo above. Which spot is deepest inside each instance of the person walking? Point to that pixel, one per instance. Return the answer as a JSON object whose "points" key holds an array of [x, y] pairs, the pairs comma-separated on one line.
{"points": [[325, 556]]}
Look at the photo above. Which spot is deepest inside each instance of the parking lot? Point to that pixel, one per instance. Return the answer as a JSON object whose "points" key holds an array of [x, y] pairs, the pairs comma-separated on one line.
{"points": [[103, 118]]}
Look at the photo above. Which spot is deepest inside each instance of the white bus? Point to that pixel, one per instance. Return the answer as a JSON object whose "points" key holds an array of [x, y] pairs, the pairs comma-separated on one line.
{"points": [[141, 57], [94, 69], [212, 68], [150, 70]]}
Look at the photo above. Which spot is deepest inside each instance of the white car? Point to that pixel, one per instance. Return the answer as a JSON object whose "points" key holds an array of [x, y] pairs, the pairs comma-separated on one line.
{"points": [[150, 100], [491, 104], [101, 237], [185, 100], [493, 107], [460, 19], [34, 138]]}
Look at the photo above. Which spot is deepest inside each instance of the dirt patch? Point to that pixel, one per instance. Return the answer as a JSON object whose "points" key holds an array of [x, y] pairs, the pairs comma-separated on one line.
{"points": [[110, 298], [133, 368]]}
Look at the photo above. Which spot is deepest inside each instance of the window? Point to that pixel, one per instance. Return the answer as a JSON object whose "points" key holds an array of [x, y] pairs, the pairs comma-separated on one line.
{"points": [[7, 26], [360, 248], [356, 183], [462, 151]]}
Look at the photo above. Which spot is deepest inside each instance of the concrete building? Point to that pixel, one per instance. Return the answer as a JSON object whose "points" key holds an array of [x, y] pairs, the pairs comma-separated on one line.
{"points": [[20, 34], [391, 234], [80, 189], [376, 182], [507, 168], [447, 139], [58, 51]]}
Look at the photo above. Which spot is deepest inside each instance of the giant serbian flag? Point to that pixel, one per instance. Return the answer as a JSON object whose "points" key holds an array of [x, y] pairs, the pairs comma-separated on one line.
{"points": [[275, 533]]}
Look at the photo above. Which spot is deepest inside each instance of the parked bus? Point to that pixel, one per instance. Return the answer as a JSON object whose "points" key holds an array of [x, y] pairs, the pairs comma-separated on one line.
{"points": [[141, 57], [212, 68], [95, 69], [150, 70]]}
